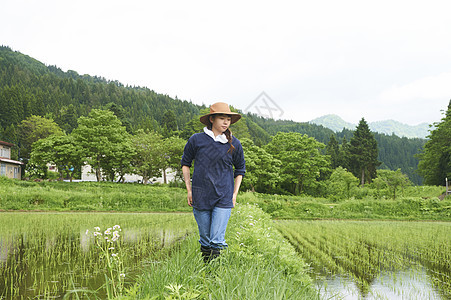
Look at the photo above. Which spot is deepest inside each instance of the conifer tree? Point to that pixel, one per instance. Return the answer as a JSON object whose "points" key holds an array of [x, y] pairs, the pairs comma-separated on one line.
{"points": [[435, 160], [363, 153], [333, 150]]}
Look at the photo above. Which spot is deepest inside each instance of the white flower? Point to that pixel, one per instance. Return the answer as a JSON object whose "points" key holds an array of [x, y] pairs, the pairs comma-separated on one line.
{"points": [[87, 231], [108, 231], [122, 275], [252, 224], [116, 227], [97, 233], [111, 248], [97, 228], [114, 254]]}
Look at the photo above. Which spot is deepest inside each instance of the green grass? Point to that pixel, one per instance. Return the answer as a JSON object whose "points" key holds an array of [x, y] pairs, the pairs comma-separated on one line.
{"points": [[259, 264], [89, 196], [49, 253], [413, 203]]}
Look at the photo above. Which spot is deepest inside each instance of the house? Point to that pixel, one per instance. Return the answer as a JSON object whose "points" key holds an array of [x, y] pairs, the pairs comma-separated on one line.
{"points": [[8, 167]]}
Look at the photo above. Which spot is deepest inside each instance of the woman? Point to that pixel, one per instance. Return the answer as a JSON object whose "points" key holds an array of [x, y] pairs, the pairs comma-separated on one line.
{"points": [[215, 183]]}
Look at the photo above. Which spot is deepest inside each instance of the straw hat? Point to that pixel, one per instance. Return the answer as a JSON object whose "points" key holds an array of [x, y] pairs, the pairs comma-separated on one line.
{"points": [[220, 108]]}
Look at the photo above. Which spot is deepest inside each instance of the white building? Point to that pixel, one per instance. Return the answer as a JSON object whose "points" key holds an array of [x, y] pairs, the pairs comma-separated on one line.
{"points": [[88, 175]]}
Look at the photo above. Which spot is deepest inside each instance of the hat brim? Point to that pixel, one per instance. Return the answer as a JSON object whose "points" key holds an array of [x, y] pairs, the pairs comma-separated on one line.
{"points": [[235, 117]]}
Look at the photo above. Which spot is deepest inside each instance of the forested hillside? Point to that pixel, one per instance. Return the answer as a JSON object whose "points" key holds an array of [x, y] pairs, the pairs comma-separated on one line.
{"points": [[28, 87]]}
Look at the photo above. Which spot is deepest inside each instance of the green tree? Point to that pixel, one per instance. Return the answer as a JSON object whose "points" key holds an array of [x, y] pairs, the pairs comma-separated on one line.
{"points": [[33, 129], [192, 127], [333, 150], [341, 183], [435, 159], [363, 153], [172, 154], [105, 142], [301, 158], [59, 150], [393, 180], [169, 123], [343, 154], [262, 169], [149, 159]]}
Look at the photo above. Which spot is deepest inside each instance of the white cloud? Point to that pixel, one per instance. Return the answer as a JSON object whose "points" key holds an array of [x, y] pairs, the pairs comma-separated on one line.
{"points": [[312, 57], [428, 89]]}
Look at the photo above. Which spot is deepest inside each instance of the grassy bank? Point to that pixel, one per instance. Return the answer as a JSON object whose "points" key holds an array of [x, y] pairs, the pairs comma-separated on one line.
{"points": [[259, 264], [415, 203], [89, 196], [309, 208]]}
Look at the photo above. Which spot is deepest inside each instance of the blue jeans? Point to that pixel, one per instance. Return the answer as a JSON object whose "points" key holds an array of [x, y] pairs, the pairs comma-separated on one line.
{"points": [[212, 226]]}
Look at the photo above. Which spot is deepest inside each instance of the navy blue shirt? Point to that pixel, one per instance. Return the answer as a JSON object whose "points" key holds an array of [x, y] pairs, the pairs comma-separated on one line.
{"points": [[213, 177]]}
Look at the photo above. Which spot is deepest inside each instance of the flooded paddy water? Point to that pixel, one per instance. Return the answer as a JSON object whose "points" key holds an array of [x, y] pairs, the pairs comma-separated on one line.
{"points": [[50, 255], [375, 259]]}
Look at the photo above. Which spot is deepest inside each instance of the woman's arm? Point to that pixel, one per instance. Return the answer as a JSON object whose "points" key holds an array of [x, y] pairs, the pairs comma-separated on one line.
{"points": [[236, 188], [186, 176]]}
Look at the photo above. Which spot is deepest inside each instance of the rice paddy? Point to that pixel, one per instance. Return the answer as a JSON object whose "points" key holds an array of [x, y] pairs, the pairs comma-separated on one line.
{"points": [[375, 259], [82, 255]]}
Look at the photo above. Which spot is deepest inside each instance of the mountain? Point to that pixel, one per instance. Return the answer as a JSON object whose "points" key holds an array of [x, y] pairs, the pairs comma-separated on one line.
{"points": [[388, 127], [29, 87]]}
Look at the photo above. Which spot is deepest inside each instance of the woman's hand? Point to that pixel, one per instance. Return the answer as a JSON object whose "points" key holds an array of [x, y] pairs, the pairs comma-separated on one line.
{"points": [[190, 198], [236, 188]]}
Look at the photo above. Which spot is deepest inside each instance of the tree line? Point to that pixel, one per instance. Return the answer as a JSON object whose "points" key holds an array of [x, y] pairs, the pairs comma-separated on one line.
{"points": [[29, 88], [291, 163]]}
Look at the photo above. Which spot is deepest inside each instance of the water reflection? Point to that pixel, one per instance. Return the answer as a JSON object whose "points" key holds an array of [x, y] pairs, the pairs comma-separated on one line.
{"points": [[409, 284], [49, 260]]}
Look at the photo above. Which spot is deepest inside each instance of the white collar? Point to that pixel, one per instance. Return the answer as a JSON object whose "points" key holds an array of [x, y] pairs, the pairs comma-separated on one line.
{"points": [[220, 138]]}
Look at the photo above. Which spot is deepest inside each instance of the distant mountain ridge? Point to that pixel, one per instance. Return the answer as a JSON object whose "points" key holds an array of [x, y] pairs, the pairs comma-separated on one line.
{"points": [[388, 127]]}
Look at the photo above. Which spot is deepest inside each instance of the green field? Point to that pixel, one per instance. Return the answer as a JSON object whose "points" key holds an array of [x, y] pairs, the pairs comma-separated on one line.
{"points": [[51, 255], [281, 246], [365, 251], [413, 203]]}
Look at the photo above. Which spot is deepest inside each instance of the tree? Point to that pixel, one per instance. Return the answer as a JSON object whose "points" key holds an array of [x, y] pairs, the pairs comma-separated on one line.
{"points": [[341, 183], [172, 154], [149, 158], [192, 127], [333, 150], [59, 150], [33, 129], [435, 159], [169, 123], [343, 154], [393, 180], [105, 142], [363, 153], [262, 169], [301, 158]]}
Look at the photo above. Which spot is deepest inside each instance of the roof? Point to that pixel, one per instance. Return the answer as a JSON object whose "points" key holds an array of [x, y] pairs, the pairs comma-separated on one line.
{"points": [[6, 144], [11, 161]]}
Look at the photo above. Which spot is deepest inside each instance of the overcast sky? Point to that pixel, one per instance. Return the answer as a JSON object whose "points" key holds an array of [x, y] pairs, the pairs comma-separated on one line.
{"points": [[385, 59]]}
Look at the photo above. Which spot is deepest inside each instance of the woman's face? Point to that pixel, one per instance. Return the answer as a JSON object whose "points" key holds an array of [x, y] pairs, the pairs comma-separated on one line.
{"points": [[220, 123]]}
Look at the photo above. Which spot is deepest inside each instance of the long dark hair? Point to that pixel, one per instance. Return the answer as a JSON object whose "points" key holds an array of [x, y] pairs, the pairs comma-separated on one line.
{"points": [[228, 132]]}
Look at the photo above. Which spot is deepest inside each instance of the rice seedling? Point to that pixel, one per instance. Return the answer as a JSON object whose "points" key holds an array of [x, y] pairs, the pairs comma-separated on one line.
{"points": [[48, 255], [376, 254]]}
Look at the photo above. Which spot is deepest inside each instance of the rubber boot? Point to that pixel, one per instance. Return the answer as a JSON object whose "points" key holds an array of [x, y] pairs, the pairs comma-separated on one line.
{"points": [[206, 253], [215, 253]]}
